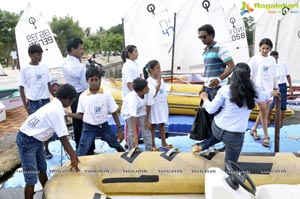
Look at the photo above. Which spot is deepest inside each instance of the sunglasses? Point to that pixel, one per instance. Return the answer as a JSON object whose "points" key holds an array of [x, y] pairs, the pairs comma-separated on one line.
{"points": [[203, 37]]}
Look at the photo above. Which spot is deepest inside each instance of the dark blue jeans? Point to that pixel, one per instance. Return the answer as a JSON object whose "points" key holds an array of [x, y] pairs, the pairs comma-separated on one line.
{"points": [[90, 132], [233, 142]]}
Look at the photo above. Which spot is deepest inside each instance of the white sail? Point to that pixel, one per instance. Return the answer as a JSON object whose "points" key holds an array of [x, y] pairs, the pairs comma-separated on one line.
{"points": [[32, 28], [237, 32], [149, 26], [283, 30], [288, 44], [267, 25], [188, 48]]}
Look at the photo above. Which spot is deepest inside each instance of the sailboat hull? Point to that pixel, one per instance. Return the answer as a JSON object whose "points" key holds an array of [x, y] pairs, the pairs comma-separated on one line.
{"points": [[183, 99], [10, 98]]}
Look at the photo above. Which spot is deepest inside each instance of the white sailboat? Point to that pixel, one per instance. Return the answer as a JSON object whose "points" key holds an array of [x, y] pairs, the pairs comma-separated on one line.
{"points": [[237, 32], [152, 33], [188, 48], [33, 28], [282, 27], [288, 43], [149, 25], [268, 24]]}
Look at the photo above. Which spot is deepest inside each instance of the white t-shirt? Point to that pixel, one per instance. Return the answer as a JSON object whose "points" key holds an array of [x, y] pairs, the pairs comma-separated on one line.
{"points": [[159, 110], [46, 121], [14, 55], [96, 107], [35, 79], [282, 72], [134, 106], [263, 71], [130, 71]]}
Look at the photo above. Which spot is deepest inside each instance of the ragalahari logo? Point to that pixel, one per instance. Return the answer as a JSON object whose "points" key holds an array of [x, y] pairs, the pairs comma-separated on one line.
{"points": [[246, 8]]}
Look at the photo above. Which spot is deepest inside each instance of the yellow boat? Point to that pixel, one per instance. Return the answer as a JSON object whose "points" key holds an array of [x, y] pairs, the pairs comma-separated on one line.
{"points": [[183, 99], [148, 173]]}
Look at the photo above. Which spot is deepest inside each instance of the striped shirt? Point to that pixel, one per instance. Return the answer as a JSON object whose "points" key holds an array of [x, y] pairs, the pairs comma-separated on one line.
{"points": [[214, 57]]}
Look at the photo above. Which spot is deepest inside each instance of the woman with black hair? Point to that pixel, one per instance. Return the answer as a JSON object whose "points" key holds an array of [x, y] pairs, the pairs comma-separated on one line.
{"points": [[236, 100], [263, 74]]}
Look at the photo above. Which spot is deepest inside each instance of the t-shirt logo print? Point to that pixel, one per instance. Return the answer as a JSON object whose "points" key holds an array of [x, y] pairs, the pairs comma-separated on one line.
{"points": [[97, 109], [265, 68], [38, 76], [33, 122]]}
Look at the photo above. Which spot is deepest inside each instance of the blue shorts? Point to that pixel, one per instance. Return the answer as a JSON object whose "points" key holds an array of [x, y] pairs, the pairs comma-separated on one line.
{"points": [[33, 158], [90, 132], [283, 96]]}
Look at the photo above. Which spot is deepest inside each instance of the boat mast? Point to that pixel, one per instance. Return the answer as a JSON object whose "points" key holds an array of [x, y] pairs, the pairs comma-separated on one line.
{"points": [[277, 110], [173, 48], [123, 33], [277, 33]]}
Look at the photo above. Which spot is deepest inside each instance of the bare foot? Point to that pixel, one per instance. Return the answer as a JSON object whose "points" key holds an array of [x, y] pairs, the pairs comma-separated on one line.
{"points": [[154, 149]]}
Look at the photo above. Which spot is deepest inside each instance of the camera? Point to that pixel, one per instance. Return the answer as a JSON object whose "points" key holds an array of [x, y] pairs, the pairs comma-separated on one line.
{"points": [[93, 63]]}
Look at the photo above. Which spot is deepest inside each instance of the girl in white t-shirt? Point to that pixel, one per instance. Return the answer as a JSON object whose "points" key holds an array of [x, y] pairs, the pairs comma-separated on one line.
{"points": [[263, 74], [159, 110], [130, 69]]}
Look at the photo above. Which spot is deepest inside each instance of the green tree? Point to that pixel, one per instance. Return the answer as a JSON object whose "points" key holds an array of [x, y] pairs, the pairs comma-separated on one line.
{"points": [[118, 29], [112, 42], [249, 25], [64, 29], [92, 44], [8, 22]]}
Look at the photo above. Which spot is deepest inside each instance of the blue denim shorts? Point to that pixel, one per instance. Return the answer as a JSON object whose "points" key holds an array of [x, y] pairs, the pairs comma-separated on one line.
{"points": [[33, 158]]}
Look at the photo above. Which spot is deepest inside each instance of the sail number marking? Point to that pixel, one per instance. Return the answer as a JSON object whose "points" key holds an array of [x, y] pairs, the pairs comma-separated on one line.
{"points": [[237, 33], [42, 37]]}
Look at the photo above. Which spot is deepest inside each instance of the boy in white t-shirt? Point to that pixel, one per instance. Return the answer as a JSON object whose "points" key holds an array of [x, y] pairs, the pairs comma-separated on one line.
{"points": [[136, 108], [35, 84], [284, 77], [39, 127], [94, 105]]}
